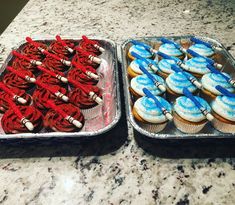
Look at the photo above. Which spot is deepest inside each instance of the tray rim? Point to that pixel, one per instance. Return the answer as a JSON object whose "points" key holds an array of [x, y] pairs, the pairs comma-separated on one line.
{"points": [[80, 134], [163, 136]]}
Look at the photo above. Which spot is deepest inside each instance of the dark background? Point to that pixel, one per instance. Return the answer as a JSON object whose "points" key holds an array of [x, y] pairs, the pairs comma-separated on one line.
{"points": [[8, 10]]}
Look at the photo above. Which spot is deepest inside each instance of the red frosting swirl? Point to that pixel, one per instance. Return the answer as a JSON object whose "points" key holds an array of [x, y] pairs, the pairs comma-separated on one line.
{"points": [[48, 79], [41, 96], [32, 51], [81, 99], [11, 123], [13, 80], [77, 75], [89, 47], [83, 60], [57, 48], [3, 96], [54, 121], [54, 64]]}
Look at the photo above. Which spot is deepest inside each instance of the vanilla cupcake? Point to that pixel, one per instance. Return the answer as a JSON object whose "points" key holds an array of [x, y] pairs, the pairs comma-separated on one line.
{"points": [[134, 70], [202, 50], [197, 66], [140, 50], [188, 118], [149, 116], [171, 50], [176, 82], [143, 81], [164, 67], [210, 81], [223, 109]]}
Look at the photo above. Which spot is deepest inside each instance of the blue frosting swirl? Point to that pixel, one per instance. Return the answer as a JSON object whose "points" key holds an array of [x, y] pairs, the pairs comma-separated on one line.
{"points": [[170, 49], [225, 107], [164, 65], [202, 49], [135, 65], [149, 111], [186, 108], [142, 81], [140, 50], [210, 80], [197, 65], [178, 81]]}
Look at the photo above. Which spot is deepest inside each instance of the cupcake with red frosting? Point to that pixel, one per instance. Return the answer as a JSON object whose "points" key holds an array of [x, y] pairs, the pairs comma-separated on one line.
{"points": [[12, 124], [51, 80], [90, 46], [54, 121], [41, 97], [57, 48], [32, 51], [81, 77], [54, 64]]}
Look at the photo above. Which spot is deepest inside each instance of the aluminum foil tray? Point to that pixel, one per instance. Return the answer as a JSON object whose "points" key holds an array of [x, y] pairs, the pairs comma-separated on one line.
{"points": [[111, 96], [171, 132]]}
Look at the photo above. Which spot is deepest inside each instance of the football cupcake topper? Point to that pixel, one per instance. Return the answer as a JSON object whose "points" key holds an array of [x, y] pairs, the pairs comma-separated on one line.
{"points": [[14, 96], [203, 110], [24, 121], [164, 110], [67, 117], [191, 79], [58, 38]]}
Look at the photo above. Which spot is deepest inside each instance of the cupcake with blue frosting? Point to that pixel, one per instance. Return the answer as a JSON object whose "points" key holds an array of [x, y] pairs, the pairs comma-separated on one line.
{"points": [[171, 50], [202, 50], [176, 82], [164, 67], [188, 118], [149, 116], [140, 50], [210, 81], [223, 109], [197, 66], [134, 70], [143, 81]]}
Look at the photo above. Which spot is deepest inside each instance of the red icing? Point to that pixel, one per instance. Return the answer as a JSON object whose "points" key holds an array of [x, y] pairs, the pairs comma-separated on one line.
{"points": [[88, 46], [31, 50], [11, 122], [48, 79], [82, 99], [54, 121], [57, 48], [79, 76], [83, 60], [54, 64], [41, 96]]}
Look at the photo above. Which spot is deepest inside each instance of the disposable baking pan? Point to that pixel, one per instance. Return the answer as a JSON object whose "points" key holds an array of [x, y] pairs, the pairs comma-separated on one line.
{"points": [[111, 107], [171, 132]]}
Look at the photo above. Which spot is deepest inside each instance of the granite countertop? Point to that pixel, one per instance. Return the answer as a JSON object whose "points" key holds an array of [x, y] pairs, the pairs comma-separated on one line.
{"points": [[115, 169]]}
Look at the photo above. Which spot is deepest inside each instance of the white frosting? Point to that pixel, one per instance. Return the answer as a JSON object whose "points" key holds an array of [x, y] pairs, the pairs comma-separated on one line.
{"points": [[135, 66]]}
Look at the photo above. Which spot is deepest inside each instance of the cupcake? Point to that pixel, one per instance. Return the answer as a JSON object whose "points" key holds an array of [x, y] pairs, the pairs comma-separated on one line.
{"points": [[53, 64], [223, 109], [12, 123], [85, 98], [188, 118], [176, 82], [171, 50], [140, 50], [50, 80], [32, 51], [81, 77], [209, 81], [57, 122], [202, 49], [149, 116], [134, 70], [83, 60], [164, 67], [57, 48], [197, 66], [143, 81]]}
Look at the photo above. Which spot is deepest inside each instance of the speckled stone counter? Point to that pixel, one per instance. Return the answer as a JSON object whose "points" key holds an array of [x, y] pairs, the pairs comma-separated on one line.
{"points": [[114, 168]]}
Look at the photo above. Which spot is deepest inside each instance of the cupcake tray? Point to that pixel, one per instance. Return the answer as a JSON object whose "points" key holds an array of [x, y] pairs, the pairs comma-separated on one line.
{"points": [[171, 132], [111, 110]]}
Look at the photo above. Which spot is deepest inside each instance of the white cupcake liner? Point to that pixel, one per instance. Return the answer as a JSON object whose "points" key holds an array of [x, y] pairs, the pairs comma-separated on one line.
{"points": [[154, 128], [223, 126], [92, 112], [188, 128]]}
